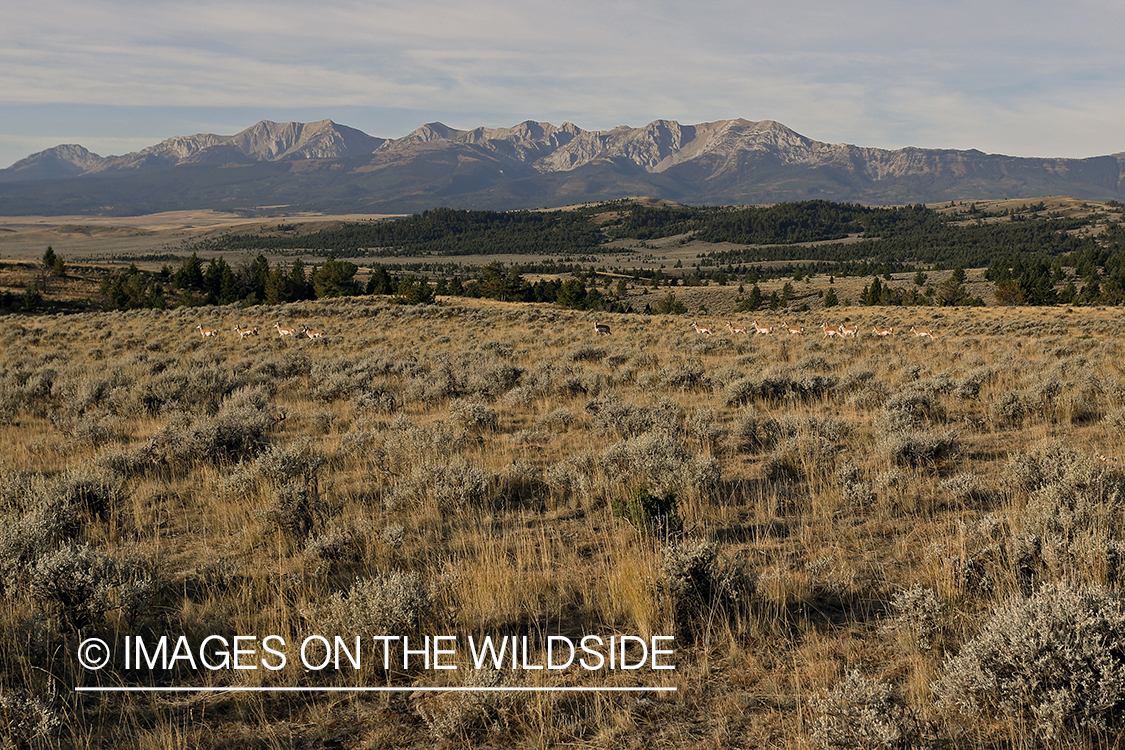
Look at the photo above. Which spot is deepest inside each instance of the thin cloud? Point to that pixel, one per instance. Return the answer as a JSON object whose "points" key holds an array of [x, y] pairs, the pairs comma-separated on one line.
{"points": [[1006, 76]]}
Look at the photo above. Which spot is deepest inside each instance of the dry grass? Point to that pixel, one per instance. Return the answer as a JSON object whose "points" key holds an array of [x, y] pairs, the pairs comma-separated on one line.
{"points": [[860, 504]]}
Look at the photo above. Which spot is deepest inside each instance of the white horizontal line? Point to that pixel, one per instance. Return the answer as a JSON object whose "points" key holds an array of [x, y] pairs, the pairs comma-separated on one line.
{"points": [[243, 689]]}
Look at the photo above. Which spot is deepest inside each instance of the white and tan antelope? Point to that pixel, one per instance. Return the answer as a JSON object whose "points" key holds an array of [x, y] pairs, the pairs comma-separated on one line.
{"points": [[317, 334], [922, 332], [735, 329], [829, 332], [883, 331], [207, 332], [762, 329], [244, 332], [846, 331], [701, 329], [283, 332], [601, 329], [796, 330]]}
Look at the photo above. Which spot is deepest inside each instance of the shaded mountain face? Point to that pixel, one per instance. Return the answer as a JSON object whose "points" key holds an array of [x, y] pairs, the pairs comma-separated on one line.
{"points": [[328, 167]]}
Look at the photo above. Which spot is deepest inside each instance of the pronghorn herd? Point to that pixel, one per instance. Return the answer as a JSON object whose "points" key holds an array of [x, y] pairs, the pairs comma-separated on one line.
{"points": [[282, 331], [843, 330]]}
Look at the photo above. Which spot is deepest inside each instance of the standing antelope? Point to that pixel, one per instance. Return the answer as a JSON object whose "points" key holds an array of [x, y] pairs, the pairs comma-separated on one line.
{"points": [[317, 334], [701, 330], [244, 332], [798, 330], [828, 332], [762, 329], [283, 332], [600, 329], [922, 332], [206, 332], [735, 329], [883, 331]]}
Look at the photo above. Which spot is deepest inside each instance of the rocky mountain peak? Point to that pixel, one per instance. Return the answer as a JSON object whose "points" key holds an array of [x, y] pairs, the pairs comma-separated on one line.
{"points": [[535, 163]]}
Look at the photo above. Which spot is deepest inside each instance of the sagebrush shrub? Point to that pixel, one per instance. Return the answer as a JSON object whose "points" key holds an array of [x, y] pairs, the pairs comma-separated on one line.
{"points": [[1009, 408], [919, 447], [698, 584], [295, 511], [859, 713], [918, 611], [611, 414], [473, 417], [80, 585], [28, 720], [453, 484], [469, 716], [332, 549], [662, 462], [1054, 662], [910, 409], [49, 518], [397, 603], [753, 432], [966, 488]]}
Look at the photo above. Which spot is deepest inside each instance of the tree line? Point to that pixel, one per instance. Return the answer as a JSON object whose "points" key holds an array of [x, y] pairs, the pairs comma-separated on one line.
{"points": [[216, 282]]}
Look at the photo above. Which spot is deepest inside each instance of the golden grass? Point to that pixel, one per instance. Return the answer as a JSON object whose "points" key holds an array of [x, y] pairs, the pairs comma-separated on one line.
{"points": [[823, 521]]}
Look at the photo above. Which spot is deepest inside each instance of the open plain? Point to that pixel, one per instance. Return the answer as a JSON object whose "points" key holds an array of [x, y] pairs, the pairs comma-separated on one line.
{"points": [[831, 528]]}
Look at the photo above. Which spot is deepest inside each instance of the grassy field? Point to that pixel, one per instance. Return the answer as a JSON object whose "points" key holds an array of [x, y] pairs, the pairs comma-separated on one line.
{"points": [[827, 527]]}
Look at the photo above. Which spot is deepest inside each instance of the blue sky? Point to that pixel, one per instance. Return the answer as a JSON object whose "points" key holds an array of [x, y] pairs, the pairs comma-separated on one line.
{"points": [[1026, 78]]}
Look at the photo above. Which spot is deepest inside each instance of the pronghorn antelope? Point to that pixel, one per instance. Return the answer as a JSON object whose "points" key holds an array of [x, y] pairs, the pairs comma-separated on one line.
{"points": [[883, 331], [244, 332], [283, 331], [600, 329], [762, 329], [701, 329], [829, 332], [207, 331], [845, 331], [735, 329], [798, 330], [922, 332], [317, 334]]}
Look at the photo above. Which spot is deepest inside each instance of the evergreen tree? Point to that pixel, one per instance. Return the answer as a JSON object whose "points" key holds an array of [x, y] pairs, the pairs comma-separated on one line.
{"points": [[752, 302], [336, 278], [572, 294], [255, 277], [299, 286], [669, 305], [380, 281], [278, 287], [190, 274]]}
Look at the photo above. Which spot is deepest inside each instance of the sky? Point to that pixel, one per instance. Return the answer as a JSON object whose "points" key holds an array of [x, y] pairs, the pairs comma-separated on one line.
{"points": [[1016, 77]]}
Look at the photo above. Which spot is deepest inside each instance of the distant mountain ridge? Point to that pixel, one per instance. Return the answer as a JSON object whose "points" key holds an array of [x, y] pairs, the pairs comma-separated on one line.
{"points": [[330, 167]]}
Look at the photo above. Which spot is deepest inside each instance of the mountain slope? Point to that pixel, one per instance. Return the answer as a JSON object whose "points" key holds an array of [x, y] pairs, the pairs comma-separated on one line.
{"points": [[329, 167]]}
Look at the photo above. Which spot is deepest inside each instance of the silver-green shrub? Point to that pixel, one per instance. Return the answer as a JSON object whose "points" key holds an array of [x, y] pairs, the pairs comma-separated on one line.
{"points": [[473, 417], [80, 585], [859, 714], [28, 720], [1054, 662], [468, 717], [397, 603], [918, 611]]}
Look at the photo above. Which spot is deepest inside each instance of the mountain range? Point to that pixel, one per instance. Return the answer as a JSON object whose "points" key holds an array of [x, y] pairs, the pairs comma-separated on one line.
{"points": [[325, 166]]}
